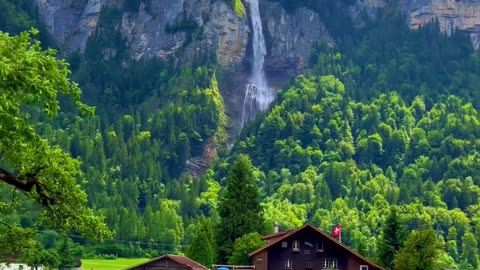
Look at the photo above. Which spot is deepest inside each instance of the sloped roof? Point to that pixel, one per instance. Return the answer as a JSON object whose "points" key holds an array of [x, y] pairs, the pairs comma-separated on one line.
{"points": [[193, 265], [326, 235], [269, 236]]}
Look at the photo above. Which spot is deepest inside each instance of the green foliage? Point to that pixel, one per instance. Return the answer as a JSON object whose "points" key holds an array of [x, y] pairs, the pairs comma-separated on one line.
{"points": [[420, 251], [31, 79], [15, 241], [239, 208], [239, 8], [392, 238], [13, 17], [366, 156], [70, 254], [200, 249], [243, 247], [38, 256]]}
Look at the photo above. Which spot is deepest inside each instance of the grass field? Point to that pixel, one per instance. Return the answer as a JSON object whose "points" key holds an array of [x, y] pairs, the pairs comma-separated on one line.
{"points": [[117, 264]]}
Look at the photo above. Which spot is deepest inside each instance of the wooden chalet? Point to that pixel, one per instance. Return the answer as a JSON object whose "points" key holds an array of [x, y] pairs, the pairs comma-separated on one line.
{"points": [[307, 248], [169, 262]]}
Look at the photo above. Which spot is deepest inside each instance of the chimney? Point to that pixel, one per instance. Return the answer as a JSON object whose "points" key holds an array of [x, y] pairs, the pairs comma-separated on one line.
{"points": [[275, 229]]}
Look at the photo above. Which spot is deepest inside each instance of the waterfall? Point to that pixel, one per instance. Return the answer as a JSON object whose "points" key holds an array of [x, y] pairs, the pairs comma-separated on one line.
{"points": [[258, 95]]}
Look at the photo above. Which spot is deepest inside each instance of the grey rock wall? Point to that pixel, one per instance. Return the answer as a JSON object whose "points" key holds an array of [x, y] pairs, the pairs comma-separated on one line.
{"points": [[153, 31], [452, 15]]}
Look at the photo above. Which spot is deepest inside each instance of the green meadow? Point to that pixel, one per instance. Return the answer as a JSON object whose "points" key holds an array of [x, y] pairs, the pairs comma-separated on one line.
{"points": [[117, 264]]}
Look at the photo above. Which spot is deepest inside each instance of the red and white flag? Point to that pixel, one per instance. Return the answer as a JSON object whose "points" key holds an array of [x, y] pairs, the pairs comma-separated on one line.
{"points": [[337, 231]]}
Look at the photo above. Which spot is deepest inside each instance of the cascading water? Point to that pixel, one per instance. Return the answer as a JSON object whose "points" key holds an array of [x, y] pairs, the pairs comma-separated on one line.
{"points": [[257, 93]]}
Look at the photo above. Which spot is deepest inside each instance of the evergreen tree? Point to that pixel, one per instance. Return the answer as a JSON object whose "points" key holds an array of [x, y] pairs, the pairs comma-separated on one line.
{"points": [[69, 254], [239, 209], [200, 249], [393, 235], [419, 251]]}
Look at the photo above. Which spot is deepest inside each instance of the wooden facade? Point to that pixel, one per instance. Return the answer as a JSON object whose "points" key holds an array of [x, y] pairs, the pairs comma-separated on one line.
{"points": [[169, 262], [307, 248]]}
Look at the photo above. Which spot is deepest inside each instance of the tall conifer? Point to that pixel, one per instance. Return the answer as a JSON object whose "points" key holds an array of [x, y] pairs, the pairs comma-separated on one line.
{"points": [[239, 209], [393, 235]]}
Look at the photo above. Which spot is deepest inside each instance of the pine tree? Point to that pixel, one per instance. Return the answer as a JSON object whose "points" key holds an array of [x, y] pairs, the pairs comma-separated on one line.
{"points": [[200, 249], [239, 209], [393, 235]]}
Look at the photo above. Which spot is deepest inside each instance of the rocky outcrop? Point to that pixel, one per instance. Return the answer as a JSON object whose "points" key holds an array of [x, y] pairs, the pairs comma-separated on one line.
{"points": [[463, 15], [290, 37], [165, 27], [185, 29], [70, 22], [452, 15]]}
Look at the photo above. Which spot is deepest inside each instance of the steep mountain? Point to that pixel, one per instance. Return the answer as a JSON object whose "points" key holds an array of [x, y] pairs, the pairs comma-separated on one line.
{"points": [[375, 104], [181, 31]]}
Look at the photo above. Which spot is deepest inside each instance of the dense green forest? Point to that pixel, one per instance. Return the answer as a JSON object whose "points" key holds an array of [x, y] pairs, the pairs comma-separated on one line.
{"points": [[388, 117]]}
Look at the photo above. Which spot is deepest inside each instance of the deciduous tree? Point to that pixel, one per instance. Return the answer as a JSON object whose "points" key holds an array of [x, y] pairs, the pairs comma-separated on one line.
{"points": [[31, 80]]}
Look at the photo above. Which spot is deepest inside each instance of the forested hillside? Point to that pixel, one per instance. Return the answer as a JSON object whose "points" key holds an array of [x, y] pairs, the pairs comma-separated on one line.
{"points": [[382, 126]]}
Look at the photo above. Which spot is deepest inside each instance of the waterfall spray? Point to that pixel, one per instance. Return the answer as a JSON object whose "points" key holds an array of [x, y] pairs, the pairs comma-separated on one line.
{"points": [[257, 93]]}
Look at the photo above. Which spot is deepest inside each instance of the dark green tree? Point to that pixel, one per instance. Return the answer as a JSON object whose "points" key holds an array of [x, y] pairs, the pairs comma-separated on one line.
{"points": [[393, 235], [419, 251], [202, 247], [70, 254], [244, 246], [239, 209]]}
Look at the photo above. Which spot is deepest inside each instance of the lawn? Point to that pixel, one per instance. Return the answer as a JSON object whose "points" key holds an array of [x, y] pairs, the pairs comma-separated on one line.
{"points": [[117, 264]]}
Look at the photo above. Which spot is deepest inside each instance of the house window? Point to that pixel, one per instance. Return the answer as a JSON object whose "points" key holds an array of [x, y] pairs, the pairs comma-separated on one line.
{"points": [[306, 251], [288, 263], [284, 244], [363, 267], [324, 263], [259, 260], [309, 264], [333, 264], [319, 246], [296, 245]]}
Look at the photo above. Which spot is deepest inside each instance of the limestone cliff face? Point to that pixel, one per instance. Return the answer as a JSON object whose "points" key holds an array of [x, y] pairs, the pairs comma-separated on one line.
{"points": [[158, 29], [291, 37], [70, 22], [463, 15]]}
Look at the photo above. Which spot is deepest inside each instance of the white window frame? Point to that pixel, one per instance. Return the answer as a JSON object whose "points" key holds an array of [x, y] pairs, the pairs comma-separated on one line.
{"points": [[363, 267], [334, 264], [325, 263], [319, 246], [309, 264], [296, 245], [259, 260], [288, 263]]}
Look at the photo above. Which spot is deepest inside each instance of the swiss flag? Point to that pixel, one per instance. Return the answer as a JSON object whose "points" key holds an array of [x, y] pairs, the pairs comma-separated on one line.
{"points": [[337, 231]]}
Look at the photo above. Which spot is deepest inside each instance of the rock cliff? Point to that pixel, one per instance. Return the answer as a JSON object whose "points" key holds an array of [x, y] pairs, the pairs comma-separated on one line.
{"points": [[183, 28], [452, 15]]}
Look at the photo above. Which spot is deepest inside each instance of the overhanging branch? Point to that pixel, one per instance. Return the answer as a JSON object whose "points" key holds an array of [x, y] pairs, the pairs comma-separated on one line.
{"points": [[27, 184], [6, 224], [24, 185]]}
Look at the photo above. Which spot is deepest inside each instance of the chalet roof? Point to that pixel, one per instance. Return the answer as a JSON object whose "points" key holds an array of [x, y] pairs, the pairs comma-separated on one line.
{"points": [[193, 265], [326, 235], [265, 237]]}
